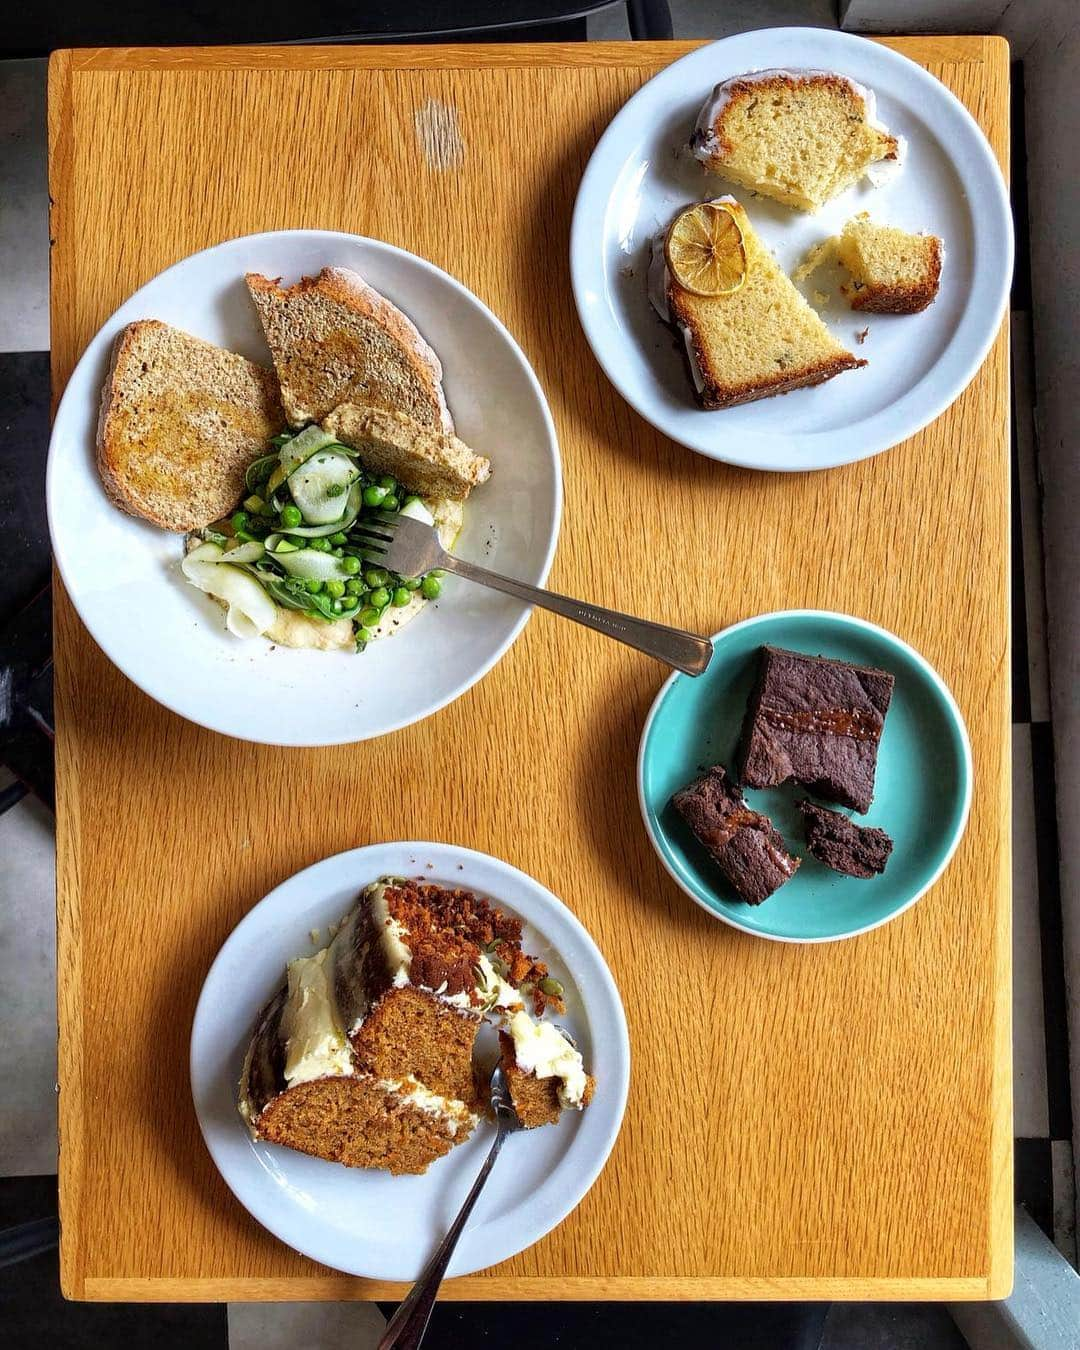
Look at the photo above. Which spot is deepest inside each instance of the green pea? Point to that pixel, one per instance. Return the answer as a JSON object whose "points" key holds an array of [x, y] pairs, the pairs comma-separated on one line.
{"points": [[351, 564], [240, 520], [431, 587], [338, 552], [411, 583], [339, 540], [336, 606], [335, 589], [374, 495], [291, 517], [376, 576], [320, 545], [380, 597], [355, 587], [401, 597], [391, 504], [313, 586], [364, 635], [369, 617], [412, 497], [388, 484]]}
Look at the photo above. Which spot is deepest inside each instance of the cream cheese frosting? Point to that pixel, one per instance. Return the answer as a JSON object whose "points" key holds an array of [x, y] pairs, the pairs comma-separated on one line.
{"points": [[315, 1040], [541, 1048]]}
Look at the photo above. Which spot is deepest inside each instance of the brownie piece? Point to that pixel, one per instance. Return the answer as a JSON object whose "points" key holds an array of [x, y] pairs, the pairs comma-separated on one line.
{"points": [[855, 850], [818, 721], [743, 843]]}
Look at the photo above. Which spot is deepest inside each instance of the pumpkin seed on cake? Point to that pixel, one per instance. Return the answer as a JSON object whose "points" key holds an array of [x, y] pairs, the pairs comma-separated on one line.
{"points": [[747, 332], [365, 1057], [798, 136]]}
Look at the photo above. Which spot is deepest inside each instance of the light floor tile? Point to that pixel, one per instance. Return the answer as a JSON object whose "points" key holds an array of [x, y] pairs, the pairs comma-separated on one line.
{"points": [[315, 1326], [28, 982], [24, 209]]}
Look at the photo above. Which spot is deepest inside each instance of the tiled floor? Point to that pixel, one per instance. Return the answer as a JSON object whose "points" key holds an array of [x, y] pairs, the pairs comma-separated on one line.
{"points": [[31, 1311]]}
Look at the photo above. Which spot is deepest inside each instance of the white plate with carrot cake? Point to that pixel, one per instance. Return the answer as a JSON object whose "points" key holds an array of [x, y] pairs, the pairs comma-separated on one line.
{"points": [[791, 249], [344, 1041]]}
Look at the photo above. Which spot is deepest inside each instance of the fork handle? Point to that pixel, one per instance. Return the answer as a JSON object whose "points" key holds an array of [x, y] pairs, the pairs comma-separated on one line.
{"points": [[406, 1328], [685, 651]]}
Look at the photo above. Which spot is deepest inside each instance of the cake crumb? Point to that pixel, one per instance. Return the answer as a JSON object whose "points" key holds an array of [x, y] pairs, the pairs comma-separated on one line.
{"points": [[821, 298], [626, 272], [862, 335], [313, 934]]}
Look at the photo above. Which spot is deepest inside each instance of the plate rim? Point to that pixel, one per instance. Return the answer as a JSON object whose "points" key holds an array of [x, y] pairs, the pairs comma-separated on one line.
{"points": [[452, 854], [595, 187], [928, 672], [65, 413]]}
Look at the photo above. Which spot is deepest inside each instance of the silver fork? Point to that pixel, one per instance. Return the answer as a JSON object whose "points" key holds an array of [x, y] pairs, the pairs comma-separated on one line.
{"points": [[406, 1328], [410, 548]]}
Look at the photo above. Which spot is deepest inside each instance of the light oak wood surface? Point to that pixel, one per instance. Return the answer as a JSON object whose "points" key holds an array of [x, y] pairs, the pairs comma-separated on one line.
{"points": [[804, 1122]]}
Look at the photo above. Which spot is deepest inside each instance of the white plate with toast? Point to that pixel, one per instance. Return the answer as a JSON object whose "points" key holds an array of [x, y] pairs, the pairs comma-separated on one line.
{"points": [[643, 171], [123, 574], [367, 1222]]}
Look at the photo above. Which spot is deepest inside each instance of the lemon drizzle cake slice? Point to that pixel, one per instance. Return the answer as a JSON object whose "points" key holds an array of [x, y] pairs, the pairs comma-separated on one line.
{"points": [[798, 136], [890, 270], [759, 339]]}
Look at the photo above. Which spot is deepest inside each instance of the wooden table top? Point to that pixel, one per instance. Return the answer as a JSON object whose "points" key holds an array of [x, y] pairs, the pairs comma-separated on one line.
{"points": [[844, 1111]]}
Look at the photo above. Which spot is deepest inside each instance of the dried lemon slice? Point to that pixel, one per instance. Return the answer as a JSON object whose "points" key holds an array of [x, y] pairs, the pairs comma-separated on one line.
{"points": [[704, 250]]}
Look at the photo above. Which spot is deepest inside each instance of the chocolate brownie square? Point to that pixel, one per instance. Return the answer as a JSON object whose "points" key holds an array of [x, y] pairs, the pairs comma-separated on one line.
{"points": [[818, 721], [743, 843], [855, 850]]}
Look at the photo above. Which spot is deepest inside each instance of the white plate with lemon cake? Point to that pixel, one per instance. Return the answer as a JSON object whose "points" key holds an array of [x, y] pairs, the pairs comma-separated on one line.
{"points": [[946, 184], [365, 1221]]}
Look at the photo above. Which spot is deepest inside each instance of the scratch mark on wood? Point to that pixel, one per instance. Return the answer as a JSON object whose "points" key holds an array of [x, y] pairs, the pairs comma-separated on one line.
{"points": [[439, 134]]}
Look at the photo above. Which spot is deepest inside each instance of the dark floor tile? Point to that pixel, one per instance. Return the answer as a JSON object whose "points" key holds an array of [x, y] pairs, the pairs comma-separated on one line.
{"points": [[24, 441], [890, 1326], [34, 1315], [619, 1326], [1033, 1181]]}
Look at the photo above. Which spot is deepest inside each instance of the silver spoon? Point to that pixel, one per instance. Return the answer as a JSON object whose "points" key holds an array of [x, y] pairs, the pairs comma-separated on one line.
{"points": [[406, 1328]]}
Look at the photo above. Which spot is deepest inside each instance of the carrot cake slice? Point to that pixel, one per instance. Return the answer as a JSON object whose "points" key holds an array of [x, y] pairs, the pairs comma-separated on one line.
{"points": [[365, 1057]]}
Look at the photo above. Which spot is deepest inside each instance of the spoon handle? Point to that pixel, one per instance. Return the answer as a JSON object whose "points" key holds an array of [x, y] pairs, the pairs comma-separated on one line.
{"points": [[406, 1328]]}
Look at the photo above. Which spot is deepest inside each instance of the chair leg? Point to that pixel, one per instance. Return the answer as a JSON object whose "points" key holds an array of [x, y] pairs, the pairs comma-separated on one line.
{"points": [[649, 20], [28, 1239]]}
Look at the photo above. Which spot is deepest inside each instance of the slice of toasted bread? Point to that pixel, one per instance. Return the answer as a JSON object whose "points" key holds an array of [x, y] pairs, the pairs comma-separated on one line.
{"points": [[430, 463], [761, 340], [180, 421], [336, 340]]}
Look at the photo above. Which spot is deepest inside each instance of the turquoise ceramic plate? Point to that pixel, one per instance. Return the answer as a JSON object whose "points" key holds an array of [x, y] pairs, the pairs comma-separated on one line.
{"points": [[921, 797]]}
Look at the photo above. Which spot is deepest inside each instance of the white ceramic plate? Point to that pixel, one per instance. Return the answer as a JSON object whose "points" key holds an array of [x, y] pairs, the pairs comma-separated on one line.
{"points": [[123, 574], [641, 173], [370, 1223]]}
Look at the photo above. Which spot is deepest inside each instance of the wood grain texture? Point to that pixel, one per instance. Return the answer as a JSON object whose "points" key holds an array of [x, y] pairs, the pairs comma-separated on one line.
{"points": [[847, 1120]]}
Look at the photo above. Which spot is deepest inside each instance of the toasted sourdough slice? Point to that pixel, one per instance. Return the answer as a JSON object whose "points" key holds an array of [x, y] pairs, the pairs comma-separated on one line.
{"points": [[180, 421], [335, 339], [798, 136], [891, 271], [764, 339], [431, 462]]}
